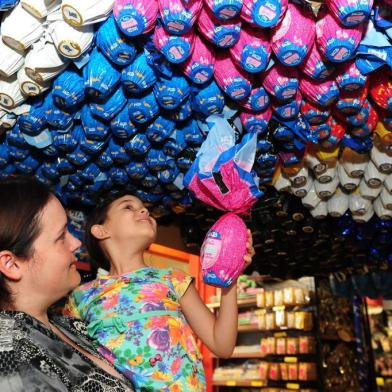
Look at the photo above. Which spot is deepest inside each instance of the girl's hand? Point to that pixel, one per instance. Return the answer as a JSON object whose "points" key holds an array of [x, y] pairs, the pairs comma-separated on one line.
{"points": [[250, 250]]}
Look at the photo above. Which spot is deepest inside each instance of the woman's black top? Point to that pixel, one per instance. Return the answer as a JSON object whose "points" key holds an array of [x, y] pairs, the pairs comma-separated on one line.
{"points": [[33, 358]]}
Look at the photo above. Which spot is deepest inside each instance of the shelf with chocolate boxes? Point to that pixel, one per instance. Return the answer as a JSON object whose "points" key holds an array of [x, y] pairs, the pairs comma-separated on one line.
{"points": [[276, 345]]}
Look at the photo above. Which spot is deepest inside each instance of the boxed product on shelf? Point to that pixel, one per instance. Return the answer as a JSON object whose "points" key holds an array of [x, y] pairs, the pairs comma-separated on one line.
{"points": [[281, 346], [287, 345], [307, 345], [289, 296], [281, 319], [260, 299], [261, 322], [292, 371], [307, 371], [290, 318], [271, 345], [269, 299], [292, 346], [278, 297], [284, 371], [304, 321], [264, 369], [247, 318], [264, 346], [270, 322], [274, 372]]}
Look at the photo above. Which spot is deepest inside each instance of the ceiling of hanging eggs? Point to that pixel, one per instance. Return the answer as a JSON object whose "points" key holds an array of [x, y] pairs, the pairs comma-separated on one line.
{"points": [[97, 96]]}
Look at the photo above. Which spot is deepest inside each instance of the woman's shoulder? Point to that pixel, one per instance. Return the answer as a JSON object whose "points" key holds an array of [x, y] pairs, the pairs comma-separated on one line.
{"points": [[14, 322], [16, 342], [12, 331], [10, 323]]}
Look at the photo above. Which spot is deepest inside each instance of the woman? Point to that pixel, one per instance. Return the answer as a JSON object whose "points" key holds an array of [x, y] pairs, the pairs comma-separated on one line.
{"points": [[41, 351]]}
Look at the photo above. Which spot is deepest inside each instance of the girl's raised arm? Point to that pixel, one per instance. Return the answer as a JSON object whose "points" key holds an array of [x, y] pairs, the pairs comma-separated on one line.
{"points": [[218, 333]]}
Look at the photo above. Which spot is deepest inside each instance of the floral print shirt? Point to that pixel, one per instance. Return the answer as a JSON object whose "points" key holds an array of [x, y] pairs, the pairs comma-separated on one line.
{"points": [[34, 359], [137, 323]]}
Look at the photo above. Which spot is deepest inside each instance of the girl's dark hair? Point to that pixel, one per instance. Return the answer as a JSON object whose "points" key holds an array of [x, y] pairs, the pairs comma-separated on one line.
{"points": [[21, 203], [97, 217]]}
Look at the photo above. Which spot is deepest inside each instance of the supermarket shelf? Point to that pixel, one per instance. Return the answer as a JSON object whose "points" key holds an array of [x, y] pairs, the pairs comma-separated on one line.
{"points": [[256, 354], [287, 358], [241, 383], [248, 328], [251, 301], [291, 385], [273, 332]]}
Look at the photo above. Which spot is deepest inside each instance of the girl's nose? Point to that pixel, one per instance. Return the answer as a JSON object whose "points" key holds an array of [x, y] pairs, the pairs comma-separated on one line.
{"points": [[144, 210]]}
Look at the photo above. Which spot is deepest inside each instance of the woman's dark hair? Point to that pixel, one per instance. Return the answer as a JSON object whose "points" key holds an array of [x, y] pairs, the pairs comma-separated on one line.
{"points": [[97, 217], [21, 203]]}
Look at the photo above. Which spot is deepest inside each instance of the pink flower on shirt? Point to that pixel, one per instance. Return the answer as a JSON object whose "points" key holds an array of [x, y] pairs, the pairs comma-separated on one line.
{"points": [[153, 291], [110, 301]]}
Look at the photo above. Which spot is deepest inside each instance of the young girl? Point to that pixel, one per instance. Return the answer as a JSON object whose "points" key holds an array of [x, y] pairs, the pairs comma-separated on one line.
{"points": [[140, 317]]}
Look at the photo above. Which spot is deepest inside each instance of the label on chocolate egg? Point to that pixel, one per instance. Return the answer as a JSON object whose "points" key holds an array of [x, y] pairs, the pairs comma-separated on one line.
{"points": [[129, 24], [30, 88], [356, 173], [253, 61], [211, 249], [226, 41], [267, 12], [340, 54], [227, 12], [374, 183], [201, 76], [385, 168], [72, 16], [176, 53], [291, 58], [175, 26], [355, 18], [288, 92], [69, 48], [6, 101]]}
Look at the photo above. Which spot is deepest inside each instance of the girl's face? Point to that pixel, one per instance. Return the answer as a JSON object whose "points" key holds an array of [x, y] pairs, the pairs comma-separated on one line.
{"points": [[51, 271], [129, 220]]}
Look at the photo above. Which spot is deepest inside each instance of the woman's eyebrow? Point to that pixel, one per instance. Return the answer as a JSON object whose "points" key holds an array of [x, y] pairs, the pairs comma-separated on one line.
{"points": [[61, 231]]}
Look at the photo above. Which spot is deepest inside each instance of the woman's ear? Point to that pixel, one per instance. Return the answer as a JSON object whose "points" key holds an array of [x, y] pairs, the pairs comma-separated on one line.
{"points": [[10, 265], [99, 232]]}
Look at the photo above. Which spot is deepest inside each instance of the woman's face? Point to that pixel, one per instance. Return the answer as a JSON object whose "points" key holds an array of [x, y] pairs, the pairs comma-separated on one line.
{"points": [[52, 268], [129, 220]]}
